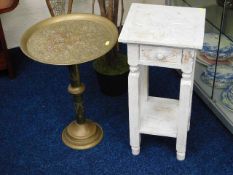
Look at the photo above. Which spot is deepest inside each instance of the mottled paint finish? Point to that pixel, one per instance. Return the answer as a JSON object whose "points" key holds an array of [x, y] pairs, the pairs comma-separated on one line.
{"points": [[164, 37]]}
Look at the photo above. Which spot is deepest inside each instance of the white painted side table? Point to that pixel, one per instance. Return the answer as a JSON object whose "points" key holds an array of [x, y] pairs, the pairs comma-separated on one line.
{"points": [[163, 36]]}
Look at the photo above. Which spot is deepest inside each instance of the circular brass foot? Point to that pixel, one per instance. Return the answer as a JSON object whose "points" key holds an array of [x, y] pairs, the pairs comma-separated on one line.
{"points": [[82, 136]]}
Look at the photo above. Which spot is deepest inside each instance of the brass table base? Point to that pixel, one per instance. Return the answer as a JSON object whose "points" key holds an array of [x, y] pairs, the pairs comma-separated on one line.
{"points": [[82, 136]]}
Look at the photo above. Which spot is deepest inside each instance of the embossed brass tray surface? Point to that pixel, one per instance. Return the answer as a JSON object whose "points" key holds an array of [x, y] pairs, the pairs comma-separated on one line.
{"points": [[69, 39]]}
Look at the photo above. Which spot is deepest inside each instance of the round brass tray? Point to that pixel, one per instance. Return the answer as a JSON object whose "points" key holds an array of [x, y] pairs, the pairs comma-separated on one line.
{"points": [[69, 39]]}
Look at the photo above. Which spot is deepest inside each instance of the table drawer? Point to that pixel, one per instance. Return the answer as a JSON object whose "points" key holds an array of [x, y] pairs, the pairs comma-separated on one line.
{"points": [[160, 55]]}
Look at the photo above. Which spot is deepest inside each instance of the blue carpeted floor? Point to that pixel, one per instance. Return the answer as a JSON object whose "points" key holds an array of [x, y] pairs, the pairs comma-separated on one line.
{"points": [[35, 107]]}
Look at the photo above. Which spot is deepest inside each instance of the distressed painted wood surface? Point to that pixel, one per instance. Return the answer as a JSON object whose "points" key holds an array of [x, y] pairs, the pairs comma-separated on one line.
{"points": [[160, 56], [164, 25], [153, 115]]}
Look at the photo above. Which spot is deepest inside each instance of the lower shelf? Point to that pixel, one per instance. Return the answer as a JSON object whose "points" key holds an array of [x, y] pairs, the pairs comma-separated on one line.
{"points": [[158, 117]]}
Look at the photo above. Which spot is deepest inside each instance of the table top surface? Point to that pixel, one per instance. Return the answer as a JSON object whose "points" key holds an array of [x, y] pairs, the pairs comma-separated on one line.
{"points": [[181, 27], [69, 39]]}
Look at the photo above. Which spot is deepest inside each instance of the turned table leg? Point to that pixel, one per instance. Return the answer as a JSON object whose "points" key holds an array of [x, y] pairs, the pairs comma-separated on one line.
{"points": [[134, 109]]}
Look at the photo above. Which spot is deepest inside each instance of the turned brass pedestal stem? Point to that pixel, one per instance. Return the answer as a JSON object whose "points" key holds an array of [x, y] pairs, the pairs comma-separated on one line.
{"points": [[81, 133], [76, 88]]}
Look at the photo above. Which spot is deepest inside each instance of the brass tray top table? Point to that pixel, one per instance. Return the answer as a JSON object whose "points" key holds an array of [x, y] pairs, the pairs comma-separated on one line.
{"points": [[71, 40]]}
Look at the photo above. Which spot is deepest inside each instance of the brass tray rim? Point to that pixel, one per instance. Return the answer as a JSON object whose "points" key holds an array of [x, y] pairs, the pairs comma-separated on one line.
{"points": [[66, 17]]}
